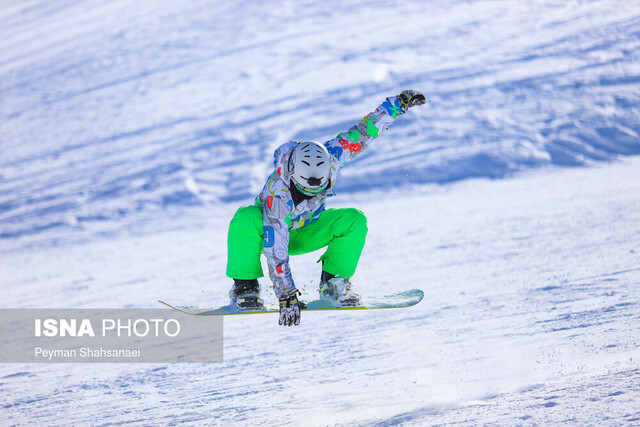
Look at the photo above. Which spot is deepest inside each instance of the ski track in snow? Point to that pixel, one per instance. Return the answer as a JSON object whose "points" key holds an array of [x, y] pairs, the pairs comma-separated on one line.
{"points": [[131, 131]]}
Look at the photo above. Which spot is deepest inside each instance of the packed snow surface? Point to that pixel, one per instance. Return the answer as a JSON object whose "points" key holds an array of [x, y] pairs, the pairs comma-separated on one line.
{"points": [[130, 131]]}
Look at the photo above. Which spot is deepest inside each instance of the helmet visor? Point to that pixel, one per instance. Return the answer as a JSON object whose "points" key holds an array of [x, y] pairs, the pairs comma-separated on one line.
{"points": [[311, 191]]}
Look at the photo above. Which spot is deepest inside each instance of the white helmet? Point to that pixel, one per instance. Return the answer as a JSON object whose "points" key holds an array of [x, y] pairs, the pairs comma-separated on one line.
{"points": [[309, 167]]}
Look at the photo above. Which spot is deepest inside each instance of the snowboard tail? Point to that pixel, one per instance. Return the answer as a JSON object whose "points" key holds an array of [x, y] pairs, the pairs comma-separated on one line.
{"points": [[399, 300]]}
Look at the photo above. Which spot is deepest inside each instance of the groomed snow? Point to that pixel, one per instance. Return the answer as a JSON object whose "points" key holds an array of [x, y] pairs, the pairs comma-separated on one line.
{"points": [[531, 313], [130, 131], [133, 106]]}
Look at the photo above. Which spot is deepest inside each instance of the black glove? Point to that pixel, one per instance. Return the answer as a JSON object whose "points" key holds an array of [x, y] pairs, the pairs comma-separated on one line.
{"points": [[290, 309], [410, 98]]}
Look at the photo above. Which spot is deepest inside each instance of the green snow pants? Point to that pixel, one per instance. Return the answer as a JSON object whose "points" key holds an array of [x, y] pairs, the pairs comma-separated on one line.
{"points": [[342, 230]]}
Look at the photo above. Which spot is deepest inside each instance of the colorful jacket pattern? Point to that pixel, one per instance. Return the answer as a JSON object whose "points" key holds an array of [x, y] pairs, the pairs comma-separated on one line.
{"points": [[280, 214]]}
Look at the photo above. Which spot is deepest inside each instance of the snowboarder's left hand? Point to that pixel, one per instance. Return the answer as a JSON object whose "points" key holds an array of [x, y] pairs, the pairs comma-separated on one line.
{"points": [[290, 309], [410, 98]]}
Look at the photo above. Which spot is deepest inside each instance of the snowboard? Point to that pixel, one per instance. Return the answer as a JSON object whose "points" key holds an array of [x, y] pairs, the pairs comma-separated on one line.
{"points": [[399, 300]]}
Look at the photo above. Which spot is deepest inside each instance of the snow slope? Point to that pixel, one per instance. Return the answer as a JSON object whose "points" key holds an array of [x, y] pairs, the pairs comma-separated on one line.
{"points": [[131, 131], [531, 311], [122, 107]]}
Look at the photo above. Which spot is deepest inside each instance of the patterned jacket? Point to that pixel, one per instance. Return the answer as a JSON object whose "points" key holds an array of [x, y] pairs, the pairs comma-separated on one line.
{"points": [[280, 214]]}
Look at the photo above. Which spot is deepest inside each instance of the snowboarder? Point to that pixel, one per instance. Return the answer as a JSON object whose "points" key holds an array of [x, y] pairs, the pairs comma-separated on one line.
{"points": [[289, 218]]}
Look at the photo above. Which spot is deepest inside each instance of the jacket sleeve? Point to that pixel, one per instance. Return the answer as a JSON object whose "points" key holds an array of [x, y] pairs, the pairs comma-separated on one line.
{"points": [[276, 204], [276, 215], [347, 145]]}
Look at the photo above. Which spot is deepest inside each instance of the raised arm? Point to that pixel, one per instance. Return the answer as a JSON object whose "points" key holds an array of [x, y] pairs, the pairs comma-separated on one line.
{"points": [[347, 145]]}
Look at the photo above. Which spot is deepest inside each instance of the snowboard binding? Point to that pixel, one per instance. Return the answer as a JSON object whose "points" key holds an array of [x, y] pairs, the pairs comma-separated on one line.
{"points": [[245, 295], [338, 291]]}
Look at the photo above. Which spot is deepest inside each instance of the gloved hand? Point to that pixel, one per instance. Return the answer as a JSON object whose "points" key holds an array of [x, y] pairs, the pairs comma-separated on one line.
{"points": [[410, 98], [290, 309]]}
